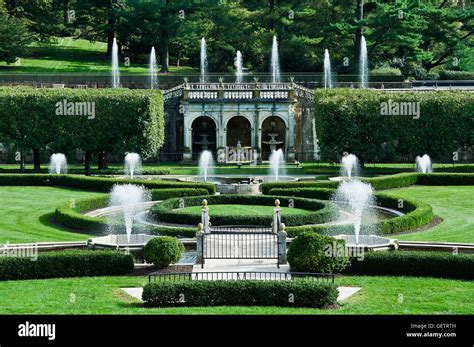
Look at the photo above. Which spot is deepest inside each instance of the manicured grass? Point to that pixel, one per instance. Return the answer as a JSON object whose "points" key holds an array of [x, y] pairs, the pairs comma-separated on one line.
{"points": [[455, 204], [101, 295], [26, 214], [74, 56], [241, 210]]}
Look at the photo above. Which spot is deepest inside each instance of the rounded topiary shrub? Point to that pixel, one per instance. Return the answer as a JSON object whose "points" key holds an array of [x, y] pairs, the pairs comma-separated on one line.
{"points": [[311, 252], [163, 251]]}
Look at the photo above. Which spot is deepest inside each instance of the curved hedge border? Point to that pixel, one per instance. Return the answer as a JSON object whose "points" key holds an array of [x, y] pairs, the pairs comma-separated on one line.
{"points": [[422, 264], [240, 293], [385, 182], [66, 264], [417, 213], [70, 214], [318, 211], [101, 184]]}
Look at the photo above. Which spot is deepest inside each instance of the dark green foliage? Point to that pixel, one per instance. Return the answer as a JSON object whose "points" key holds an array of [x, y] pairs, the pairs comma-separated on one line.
{"points": [[445, 179], [66, 264], [318, 211], [311, 252], [350, 120], [14, 38], [456, 75], [99, 184], [306, 293], [163, 251], [421, 264]]}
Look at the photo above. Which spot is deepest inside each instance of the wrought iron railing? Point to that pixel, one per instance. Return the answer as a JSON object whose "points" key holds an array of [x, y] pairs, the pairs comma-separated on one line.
{"points": [[240, 276]]}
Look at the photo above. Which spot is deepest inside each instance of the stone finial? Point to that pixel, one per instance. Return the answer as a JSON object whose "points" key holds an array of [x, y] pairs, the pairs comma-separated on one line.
{"points": [[200, 227], [204, 203], [282, 227], [277, 203]]}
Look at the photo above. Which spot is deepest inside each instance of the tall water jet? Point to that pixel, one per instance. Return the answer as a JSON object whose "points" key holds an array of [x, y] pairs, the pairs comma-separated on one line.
{"points": [[239, 68], [275, 62], [423, 164], [127, 198], [58, 164], [277, 160], [115, 65], [203, 78], [363, 64], [153, 70], [133, 165], [327, 70], [359, 197], [349, 166], [205, 165]]}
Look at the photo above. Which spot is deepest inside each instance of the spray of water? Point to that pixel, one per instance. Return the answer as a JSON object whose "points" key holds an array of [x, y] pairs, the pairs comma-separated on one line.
{"points": [[153, 70], [275, 62], [277, 161], [115, 66], [58, 164], [203, 78], [127, 198], [363, 64], [358, 197], [133, 165], [423, 164], [350, 166], [327, 70], [239, 68], [205, 165]]}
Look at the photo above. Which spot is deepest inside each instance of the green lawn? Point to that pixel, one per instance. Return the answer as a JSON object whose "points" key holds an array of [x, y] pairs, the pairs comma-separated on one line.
{"points": [[101, 295], [455, 204], [74, 56], [26, 214], [241, 210]]}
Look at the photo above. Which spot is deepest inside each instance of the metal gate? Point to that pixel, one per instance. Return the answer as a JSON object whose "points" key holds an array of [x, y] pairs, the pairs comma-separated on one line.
{"points": [[240, 242]]}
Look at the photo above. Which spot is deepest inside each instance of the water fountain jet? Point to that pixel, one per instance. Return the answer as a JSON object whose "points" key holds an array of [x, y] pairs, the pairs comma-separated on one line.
{"points": [[239, 74], [423, 164], [363, 64], [115, 66], [277, 160], [349, 166], [275, 62], [205, 165], [327, 70], [133, 165], [58, 164], [153, 69], [203, 78]]}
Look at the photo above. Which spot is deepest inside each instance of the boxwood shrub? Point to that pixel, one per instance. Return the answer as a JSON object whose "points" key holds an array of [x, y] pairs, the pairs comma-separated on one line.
{"points": [[311, 252], [318, 211], [100, 184], [66, 264], [422, 264], [163, 251], [446, 179], [240, 293]]}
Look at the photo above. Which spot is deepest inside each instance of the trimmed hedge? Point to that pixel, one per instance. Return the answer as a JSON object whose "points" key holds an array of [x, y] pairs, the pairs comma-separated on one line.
{"points": [[422, 264], [417, 213], [163, 251], [350, 120], [446, 179], [318, 211], [100, 184], [70, 215], [240, 293], [66, 264]]}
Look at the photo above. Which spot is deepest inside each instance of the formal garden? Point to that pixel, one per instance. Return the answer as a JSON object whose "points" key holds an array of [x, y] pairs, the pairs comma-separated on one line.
{"points": [[142, 172]]}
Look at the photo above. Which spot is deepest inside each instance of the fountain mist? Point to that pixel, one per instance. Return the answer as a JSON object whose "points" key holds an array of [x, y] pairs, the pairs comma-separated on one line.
{"points": [[327, 70], [239, 74], [359, 197], [363, 64], [58, 164], [275, 62], [203, 78], [153, 69], [350, 166], [133, 165], [115, 65], [277, 160], [423, 164], [128, 198], [205, 164]]}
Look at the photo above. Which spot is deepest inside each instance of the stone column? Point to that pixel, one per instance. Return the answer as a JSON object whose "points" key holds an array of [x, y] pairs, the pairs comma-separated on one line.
{"points": [[187, 138], [290, 135], [200, 244]]}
